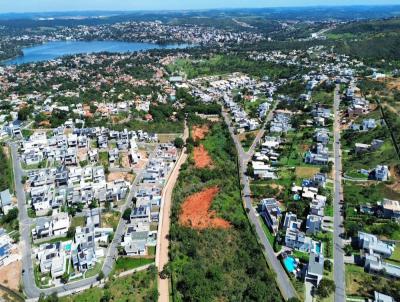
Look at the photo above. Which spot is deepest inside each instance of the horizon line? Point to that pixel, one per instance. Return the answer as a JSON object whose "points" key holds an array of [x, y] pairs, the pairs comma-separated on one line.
{"points": [[201, 9]]}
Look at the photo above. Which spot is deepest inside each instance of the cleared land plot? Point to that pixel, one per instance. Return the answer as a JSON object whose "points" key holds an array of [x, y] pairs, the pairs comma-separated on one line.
{"points": [[10, 275], [306, 172], [199, 133], [196, 211], [201, 157]]}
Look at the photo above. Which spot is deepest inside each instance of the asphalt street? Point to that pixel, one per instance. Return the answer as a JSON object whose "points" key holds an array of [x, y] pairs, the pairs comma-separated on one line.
{"points": [[338, 230], [282, 279], [28, 278]]}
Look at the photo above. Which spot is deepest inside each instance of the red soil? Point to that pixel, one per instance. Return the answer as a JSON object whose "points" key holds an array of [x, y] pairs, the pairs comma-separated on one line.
{"points": [[199, 133], [196, 211], [201, 157]]}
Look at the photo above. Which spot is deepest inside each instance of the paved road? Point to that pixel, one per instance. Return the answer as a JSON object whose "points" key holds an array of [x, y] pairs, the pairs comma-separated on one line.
{"points": [[165, 211], [28, 279], [282, 279], [112, 251], [338, 253]]}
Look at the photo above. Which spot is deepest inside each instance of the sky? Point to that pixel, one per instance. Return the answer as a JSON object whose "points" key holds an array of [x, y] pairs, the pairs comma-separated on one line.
{"points": [[76, 5]]}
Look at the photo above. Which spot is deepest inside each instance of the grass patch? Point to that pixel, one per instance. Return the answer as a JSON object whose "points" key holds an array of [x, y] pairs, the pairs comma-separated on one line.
{"points": [[94, 270], [111, 220], [271, 238], [139, 287], [395, 258], [78, 221], [247, 139], [126, 263], [360, 283], [306, 171]]}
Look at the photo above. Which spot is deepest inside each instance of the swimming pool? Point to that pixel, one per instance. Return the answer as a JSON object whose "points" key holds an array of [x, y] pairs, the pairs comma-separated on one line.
{"points": [[67, 247], [317, 247], [290, 264]]}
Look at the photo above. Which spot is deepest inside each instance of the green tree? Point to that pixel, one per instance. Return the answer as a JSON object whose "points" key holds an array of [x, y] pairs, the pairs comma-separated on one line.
{"points": [[328, 265], [65, 278], [325, 288], [178, 142], [71, 232], [100, 276], [127, 214], [24, 113]]}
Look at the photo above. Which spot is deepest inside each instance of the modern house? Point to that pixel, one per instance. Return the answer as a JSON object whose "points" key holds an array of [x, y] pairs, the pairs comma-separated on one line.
{"points": [[372, 245], [271, 213], [315, 269]]}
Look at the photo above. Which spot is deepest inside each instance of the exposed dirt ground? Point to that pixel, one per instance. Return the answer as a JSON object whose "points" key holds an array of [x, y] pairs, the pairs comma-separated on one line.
{"points": [[125, 160], [199, 133], [82, 154], [10, 275], [120, 175], [392, 83], [196, 211], [201, 157], [396, 177]]}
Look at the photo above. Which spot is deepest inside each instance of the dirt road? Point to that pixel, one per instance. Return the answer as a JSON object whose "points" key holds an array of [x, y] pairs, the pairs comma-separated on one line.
{"points": [[163, 242]]}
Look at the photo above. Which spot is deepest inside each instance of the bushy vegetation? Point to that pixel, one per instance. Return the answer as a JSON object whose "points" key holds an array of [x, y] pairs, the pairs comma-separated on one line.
{"points": [[224, 64], [358, 283], [374, 41], [139, 287], [6, 174], [357, 194], [217, 264]]}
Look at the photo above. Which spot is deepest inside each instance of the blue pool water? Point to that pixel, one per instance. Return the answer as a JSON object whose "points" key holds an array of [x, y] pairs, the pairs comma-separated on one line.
{"points": [[53, 50], [290, 264], [318, 248], [68, 247]]}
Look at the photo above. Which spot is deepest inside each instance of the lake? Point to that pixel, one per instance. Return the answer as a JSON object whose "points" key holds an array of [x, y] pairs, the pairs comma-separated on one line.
{"points": [[53, 50]]}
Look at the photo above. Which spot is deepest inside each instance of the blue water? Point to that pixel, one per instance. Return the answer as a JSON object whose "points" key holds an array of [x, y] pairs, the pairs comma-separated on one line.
{"points": [[290, 264], [53, 50], [68, 247], [318, 248]]}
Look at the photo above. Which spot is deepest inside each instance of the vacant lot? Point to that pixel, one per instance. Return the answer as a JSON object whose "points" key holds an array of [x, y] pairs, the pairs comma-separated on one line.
{"points": [[196, 211], [127, 263], [10, 275], [201, 157], [215, 264], [199, 133], [360, 283], [141, 286], [306, 172]]}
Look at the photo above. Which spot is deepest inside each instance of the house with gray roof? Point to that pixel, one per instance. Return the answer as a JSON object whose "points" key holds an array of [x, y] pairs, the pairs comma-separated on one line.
{"points": [[315, 269], [372, 245]]}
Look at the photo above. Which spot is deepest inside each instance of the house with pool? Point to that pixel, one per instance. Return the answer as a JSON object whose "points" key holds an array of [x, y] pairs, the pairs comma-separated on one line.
{"points": [[297, 239]]}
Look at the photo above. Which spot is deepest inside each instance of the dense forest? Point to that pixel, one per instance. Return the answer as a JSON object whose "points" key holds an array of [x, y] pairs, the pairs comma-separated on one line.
{"points": [[217, 264]]}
